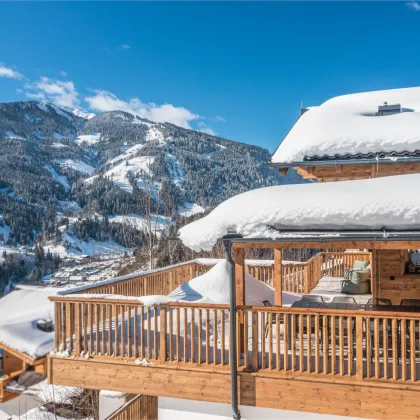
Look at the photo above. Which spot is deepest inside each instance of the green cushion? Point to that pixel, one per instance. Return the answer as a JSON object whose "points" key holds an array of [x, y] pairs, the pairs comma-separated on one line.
{"points": [[360, 265], [361, 276]]}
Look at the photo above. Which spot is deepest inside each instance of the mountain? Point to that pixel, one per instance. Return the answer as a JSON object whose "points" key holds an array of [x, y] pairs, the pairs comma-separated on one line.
{"points": [[69, 178]]}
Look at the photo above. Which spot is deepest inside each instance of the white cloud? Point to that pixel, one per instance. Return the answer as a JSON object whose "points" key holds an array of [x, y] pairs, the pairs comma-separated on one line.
{"points": [[63, 73], [57, 91], [204, 128], [125, 47], [9, 72], [219, 118], [103, 100], [413, 5]]}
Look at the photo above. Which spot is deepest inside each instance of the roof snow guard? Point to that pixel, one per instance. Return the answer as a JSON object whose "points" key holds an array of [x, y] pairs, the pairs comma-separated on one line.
{"points": [[355, 127]]}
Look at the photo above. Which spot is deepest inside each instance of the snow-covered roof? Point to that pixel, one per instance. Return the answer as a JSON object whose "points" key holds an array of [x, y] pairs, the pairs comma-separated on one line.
{"points": [[20, 310], [389, 202], [348, 126]]}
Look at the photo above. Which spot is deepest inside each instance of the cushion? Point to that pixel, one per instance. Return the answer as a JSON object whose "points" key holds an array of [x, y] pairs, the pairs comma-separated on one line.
{"points": [[362, 276], [360, 265]]}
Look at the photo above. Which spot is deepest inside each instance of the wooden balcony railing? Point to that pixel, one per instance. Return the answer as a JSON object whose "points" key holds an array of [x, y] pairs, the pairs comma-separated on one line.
{"points": [[298, 277], [357, 345], [139, 407]]}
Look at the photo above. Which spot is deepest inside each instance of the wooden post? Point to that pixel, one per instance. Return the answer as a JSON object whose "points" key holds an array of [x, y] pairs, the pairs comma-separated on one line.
{"points": [[278, 274], [239, 258]]}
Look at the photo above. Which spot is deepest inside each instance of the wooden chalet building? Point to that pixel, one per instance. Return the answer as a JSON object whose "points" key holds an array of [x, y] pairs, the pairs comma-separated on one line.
{"points": [[317, 346]]}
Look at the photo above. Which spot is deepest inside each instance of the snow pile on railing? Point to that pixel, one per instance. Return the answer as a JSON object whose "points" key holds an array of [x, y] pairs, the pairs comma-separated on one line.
{"points": [[348, 125], [389, 202]]}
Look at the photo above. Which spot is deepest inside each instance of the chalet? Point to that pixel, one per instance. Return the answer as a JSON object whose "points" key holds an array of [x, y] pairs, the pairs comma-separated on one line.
{"points": [[335, 335]]}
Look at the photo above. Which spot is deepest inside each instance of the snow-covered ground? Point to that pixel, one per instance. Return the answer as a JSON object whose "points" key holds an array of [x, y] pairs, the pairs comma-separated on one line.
{"points": [[77, 165], [378, 203], [349, 125], [159, 223], [88, 138], [59, 178], [20, 310]]}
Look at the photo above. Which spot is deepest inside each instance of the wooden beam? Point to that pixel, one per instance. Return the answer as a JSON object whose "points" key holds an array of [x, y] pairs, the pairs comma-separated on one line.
{"points": [[331, 244], [277, 281], [239, 258]]}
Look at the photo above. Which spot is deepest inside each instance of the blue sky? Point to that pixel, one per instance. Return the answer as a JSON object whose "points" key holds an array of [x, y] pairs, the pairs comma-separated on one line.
{"points": [[237, 69]]}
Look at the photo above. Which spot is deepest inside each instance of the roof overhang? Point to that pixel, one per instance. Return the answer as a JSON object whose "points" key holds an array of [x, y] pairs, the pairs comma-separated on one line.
{"points": [[341, 162]]}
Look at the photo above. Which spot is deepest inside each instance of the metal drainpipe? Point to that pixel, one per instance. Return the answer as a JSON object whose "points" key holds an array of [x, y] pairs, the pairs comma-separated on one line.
{"points": [[233, 361]]}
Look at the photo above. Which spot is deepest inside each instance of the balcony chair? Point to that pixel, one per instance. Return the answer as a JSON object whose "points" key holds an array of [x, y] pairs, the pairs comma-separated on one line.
{"points": [[357, 279]]}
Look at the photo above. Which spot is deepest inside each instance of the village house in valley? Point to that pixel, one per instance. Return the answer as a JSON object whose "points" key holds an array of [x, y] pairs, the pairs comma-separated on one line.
{"points": [[334, 335]]}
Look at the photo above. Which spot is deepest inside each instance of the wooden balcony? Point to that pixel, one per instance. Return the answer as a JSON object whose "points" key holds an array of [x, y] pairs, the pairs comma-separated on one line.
{"points": [[355, 363]]}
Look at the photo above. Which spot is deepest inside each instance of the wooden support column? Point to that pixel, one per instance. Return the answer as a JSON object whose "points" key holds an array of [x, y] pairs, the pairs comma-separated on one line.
{"points": [[239, 258], [278, 278]]}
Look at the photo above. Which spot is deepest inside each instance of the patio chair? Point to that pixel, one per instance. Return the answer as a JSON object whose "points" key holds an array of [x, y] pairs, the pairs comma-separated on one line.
{"points": [[357, 279]]}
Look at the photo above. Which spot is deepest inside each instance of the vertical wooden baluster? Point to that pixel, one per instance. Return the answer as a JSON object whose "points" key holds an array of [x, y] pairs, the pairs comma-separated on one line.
{"points": [[385, 346], [254, 349], [117, 330], [57, 330], [200, 336], [142, 331], [171, 336], [123, 331], [317, 344], [350, 345], [246, 326], [103, 318], [208, 337], [262, 332], [149, 333], [129, 332], [136, 333], [155, 332], [192, 326], [277, 341], [270, 339], [301, 349], [309, 342], [185, 349], [333, 344], [222, 334], [376, 340], [394, 350], [368, 348], [359, 348], [78, 329], [341, 344], [412, 351], [178, 335], [98, 328], [238, 338], [91, 306], [325, 339], [70, 320], [403, 349], [162, 334], [293, 340], [286, 341], [110, 329]]}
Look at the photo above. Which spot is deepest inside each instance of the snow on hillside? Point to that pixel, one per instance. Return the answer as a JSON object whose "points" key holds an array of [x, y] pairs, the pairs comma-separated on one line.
{"points": [[77, 165], [88, 138], [349, 125], [120, 173], [369, 204], [140, 222], [77, 247], [62, 179]]}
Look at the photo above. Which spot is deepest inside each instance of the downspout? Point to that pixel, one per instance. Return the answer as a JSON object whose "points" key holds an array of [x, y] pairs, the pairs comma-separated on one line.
{"points": [[227, 242]]}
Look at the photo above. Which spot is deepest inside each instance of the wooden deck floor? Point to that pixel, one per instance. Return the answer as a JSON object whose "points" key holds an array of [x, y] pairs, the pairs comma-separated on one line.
{"points": [[329, 287]]}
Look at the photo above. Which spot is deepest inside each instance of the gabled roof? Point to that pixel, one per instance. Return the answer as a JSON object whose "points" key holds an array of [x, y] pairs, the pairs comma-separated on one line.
{"points": [[292, 211], [348, 127]]}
